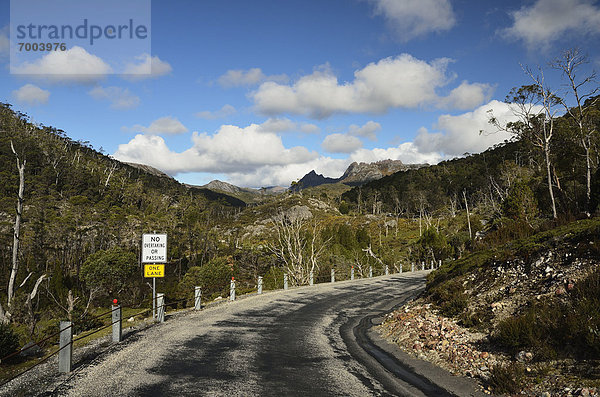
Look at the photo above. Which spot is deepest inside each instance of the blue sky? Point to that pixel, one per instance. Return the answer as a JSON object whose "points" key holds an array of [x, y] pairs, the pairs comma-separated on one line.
{"points": [[258, 93]]}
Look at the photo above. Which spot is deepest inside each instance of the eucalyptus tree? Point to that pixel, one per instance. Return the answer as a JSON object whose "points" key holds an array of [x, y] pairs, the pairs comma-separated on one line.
{"points": [[583, 91], [535, 107]]}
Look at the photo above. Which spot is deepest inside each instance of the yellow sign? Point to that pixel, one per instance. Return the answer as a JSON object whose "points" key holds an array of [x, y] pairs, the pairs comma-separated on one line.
{"points": [[154, 270]]}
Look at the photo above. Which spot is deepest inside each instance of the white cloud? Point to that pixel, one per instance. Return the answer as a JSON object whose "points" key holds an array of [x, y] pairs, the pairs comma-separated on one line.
{"points": [[461, 134], [341, 143], [277, 125], [549, 20], [31, 95], [254, 76], [308, 128], [414, 18], [146, 67], [395, 82], [73, 65], [231, 149], [282, 175], [225, 111], [368, 130], [467, 96], [254, 156], [408, 152], [120, 98], [4, 42], [164, 125]]}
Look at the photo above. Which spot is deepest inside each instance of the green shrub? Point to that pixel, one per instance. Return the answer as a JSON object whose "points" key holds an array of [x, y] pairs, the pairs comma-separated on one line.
{"points": [[344, 208], [214, 278], [520, 203], [9, 341], [475, 319], [507, 379], [110, 271], [87, 322], [433, 242], [273, 279], [450, 298], [519, 332]]}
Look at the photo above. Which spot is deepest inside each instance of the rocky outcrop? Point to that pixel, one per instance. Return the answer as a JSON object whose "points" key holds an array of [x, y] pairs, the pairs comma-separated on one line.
{"points": [[313, 179], [232, 189], [358, 173]]}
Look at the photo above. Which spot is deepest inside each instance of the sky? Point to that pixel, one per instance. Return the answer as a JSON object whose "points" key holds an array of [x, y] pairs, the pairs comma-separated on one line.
{"points": [[258, 93]]}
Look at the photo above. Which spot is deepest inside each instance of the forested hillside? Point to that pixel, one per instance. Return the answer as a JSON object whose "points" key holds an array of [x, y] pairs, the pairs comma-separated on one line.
{"points": [[486, 180], [78, 201]]}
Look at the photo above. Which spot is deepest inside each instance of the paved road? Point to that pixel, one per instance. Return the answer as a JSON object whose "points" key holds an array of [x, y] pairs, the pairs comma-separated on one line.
{"points": [[298, 342]]}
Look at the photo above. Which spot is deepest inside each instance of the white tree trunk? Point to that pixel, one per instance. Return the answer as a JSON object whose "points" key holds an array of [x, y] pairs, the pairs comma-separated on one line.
{"points": [[17, 229], [468, 215], [549, 177]]}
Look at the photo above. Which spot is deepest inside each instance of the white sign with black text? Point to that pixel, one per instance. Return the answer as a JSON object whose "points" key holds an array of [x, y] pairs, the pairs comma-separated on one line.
{"points": [[154, 248]]}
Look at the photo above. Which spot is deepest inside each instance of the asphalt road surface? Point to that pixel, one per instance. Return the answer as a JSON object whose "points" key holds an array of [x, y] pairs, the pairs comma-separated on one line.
{"points": [[306, 341]]}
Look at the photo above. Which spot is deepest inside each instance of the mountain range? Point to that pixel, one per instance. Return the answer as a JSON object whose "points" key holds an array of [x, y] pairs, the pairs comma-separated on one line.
{"points": [[358, 173], [355, 175]]}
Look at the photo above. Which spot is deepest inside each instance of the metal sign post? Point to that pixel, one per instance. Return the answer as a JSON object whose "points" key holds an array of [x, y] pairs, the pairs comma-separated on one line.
{"points": [[154, 256], [153, 297]]}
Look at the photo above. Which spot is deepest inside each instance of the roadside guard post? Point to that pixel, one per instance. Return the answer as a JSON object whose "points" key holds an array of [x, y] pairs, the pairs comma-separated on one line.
{"points": [[154, 256], [65, 355], [160, 308], [370, 271], [311, 278], [285, 281], [117, 330], [352, 273], [232, 289], [260, 285], [197, 298], [332, 275], [387, 270]]}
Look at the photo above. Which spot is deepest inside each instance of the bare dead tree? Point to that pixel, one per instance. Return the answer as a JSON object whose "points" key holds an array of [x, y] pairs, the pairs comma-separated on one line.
{"points": [[468, 215], [570, 64], [376, 208], [453, 205], [29, 305], [5, 315], [544, 132], [17, 227], [370, 253], [297, 245], [535, 108]]}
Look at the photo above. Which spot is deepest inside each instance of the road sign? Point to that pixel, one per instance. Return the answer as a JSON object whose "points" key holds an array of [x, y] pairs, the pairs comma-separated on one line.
{"points": [[154, 248], [154, 271]]}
